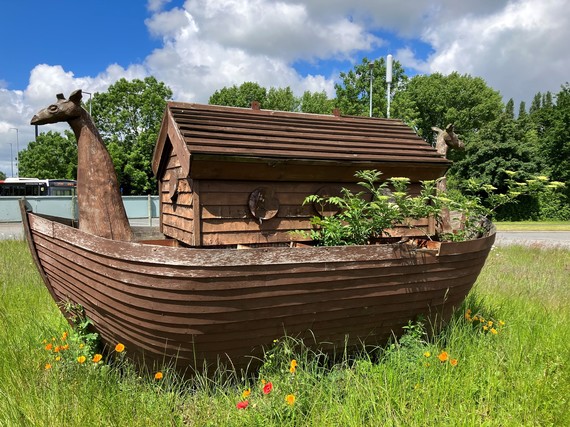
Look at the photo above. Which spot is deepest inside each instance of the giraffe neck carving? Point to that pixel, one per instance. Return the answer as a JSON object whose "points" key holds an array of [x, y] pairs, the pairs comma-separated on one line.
{"points": [[100, 205]]}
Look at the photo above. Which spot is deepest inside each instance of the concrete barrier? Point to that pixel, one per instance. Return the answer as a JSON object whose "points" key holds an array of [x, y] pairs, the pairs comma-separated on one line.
{"points": [[139, 207]]}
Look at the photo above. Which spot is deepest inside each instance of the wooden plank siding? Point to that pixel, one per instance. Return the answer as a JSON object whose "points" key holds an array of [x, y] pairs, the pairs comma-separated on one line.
{"points": [[209, 165]]}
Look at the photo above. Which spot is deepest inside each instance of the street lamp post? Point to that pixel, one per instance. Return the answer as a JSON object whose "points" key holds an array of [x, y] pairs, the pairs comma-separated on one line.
{"points": [[371, 67], [11, 159], [17, 152]]}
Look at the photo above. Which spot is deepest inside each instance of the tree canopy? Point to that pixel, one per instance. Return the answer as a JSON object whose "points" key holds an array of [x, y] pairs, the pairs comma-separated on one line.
{"points": [[437, 100], [353, 93], [129, 115], [51, 156], [280, 99]]}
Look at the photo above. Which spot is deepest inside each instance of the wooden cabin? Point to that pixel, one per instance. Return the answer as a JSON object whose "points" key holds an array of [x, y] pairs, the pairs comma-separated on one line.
{"points": [[237, 176]]}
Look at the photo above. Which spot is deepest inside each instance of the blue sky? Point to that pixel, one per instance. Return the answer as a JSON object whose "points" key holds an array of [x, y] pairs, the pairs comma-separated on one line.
{"points": [[198, 46]]}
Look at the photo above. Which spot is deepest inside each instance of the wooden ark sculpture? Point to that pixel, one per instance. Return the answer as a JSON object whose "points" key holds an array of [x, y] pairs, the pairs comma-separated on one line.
{"points": [[234, 178]]}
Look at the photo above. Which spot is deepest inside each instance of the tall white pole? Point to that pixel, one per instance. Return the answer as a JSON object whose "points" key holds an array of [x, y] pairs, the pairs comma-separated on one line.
{"points": [[388, 81], [17, 151], [11, 159], [371, 67]]}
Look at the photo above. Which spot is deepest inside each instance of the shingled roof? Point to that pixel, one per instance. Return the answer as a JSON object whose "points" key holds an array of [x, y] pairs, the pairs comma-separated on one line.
{"points": [[208, 130]]}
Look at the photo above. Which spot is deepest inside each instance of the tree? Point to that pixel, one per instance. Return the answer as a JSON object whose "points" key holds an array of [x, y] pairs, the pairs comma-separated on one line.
{"points": [[510, 108], [316, 102], [2, 176], [353, 94], [522, 110], [51, 156], [437, 100], [536, 103], [553, 127], [281, 99], [129, 117], [241, 96]]}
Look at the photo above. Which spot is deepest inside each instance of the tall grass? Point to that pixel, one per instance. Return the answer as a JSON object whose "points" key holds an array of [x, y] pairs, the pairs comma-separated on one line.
{"points": [[518, 376]]}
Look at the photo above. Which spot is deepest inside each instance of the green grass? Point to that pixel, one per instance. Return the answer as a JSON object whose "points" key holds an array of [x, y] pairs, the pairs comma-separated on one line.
{"points": [[520, 376], [533, 226]]}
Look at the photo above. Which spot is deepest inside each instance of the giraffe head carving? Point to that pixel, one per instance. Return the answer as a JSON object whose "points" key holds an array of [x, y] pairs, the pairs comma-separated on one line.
{"points": [[63, 110]]}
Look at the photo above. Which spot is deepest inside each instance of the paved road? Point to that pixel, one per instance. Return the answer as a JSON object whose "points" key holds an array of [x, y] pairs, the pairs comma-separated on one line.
{"points": [[13, 230], [534, 238]]}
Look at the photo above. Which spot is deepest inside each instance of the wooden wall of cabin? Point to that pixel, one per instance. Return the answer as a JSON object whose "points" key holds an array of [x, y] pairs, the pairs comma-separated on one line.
{"points": [[176, 204], [225, 217]]}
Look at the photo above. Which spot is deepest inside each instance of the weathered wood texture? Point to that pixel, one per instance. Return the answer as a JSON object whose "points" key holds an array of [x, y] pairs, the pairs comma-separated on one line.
{"points": [[210, 160], [232, 135], [198, 306], [226, 218]]}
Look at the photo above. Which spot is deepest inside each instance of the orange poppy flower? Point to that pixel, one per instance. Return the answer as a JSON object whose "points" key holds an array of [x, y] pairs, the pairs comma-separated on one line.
{"points": [[290, 399], [246, 393], [119, 348], [443, 356], [97, 358], [158, 376], [453, 362]]}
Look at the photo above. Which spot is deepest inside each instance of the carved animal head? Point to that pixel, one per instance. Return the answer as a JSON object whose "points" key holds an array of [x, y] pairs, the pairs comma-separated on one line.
{"points": [[63, 110], [447, 138]]}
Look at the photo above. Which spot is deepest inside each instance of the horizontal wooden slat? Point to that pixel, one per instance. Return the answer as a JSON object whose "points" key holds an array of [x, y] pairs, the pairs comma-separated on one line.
{"points": [[198, 304]]}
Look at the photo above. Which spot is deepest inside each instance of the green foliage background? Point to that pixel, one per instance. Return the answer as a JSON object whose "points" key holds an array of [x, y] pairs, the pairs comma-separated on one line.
{"points": [[534, 142]]}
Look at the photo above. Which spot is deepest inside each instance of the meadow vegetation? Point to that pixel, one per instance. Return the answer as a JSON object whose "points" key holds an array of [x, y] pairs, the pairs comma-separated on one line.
{"points": [[503, 360]]}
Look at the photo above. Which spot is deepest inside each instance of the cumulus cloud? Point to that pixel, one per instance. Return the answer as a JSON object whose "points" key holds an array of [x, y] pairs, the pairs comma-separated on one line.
{"points": [[156, 5], [209, 45], [516, 49]]}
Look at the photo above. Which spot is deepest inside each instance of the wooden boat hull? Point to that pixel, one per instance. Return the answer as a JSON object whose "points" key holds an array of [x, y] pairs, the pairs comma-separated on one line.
{"points": [[193, 306]]}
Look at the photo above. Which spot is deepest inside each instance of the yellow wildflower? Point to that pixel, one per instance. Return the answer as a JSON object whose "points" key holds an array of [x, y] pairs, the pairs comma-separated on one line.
{"points": [[290, 399], [427, 354], [494, 331], [246, 393], [47, 366], [293, 366], [81, 359]]}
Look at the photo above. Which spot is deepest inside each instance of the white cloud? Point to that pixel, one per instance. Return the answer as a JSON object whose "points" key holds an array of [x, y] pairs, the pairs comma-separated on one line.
{"points": [[519, 50], [209, 45], [156, 5]]}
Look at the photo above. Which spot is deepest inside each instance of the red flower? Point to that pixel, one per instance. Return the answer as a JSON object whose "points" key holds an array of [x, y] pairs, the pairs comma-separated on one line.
{"points": [[242, 405], [267, 388]]}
